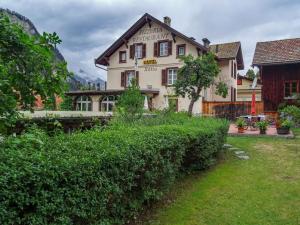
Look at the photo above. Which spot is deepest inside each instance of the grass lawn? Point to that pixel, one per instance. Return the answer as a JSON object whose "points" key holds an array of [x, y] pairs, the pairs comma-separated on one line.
{"points": [[264, 190]]}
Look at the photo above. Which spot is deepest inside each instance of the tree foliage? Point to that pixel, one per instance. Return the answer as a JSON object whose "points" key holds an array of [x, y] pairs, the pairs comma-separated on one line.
{"points": [[131, 102], [251, 74], [28, 67], [197, 74]]}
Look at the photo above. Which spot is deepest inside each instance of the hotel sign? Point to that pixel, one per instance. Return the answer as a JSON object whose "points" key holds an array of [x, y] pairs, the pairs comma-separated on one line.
{"points": [[150, 62]]}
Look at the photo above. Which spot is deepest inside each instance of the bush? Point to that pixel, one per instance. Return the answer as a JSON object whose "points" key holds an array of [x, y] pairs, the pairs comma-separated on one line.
{"points": [[291, 112], [101, 177]]}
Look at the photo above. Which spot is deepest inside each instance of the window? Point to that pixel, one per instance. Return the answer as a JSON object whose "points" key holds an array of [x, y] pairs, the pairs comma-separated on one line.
{"points": [[129, 77], [180, 50], [291, 88], [164, 48], [108, 103], [139, 51], [122, 56], [84, 103], [172, 76]]}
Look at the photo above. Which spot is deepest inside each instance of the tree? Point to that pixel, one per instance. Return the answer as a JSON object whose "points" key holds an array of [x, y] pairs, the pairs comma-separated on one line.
{"points": [[197, 74], [131, 102], [251, 74], [28, 67]]}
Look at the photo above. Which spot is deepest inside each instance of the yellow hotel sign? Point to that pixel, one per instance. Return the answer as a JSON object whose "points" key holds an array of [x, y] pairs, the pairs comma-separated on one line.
{"points": [[150, 62]]}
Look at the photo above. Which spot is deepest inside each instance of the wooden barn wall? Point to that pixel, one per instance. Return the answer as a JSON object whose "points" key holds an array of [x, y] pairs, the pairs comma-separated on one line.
{"points": [[273, 78]]}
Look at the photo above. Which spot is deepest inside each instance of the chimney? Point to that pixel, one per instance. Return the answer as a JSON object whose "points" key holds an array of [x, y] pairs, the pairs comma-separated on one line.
{"points": [[192, 38], [167, 20], [206, 42]]}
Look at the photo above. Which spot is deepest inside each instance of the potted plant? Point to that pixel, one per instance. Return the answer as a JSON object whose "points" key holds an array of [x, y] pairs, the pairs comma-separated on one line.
{"points": [[262, 125], [283, 126], [241, 124]]}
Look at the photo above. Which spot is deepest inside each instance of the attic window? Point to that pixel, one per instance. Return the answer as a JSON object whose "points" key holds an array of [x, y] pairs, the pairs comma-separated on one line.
{"points": [[122, 56]]}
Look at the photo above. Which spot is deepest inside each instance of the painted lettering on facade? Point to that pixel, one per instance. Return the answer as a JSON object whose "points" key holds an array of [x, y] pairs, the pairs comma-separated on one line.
{"points": [[150, 34], [150, 68]]}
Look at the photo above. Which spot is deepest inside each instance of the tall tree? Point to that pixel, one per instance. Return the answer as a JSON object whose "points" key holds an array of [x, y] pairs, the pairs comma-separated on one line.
{"points": [[197, 74], [28, 67]]}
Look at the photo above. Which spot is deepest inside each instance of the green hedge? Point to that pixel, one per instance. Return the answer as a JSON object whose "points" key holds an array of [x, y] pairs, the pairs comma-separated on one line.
{"points": [[100, 177]]}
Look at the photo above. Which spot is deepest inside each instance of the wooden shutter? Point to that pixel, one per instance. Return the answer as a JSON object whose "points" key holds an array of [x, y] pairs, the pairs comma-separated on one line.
{"points": [[132, 50], [144, 50], [164, 77], [155, 50], [123, 79], [170, 47], [137, 78], [120, 56], [231, 68], [235, 71]]}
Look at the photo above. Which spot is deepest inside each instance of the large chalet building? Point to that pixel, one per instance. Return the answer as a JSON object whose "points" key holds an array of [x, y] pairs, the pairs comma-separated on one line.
{"points": [[279, 65], [149, 51]]}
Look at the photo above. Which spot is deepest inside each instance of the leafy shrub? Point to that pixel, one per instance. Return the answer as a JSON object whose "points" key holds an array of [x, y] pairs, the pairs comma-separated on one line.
{"points": [[293, 112], [130, 104], [101, 177]]}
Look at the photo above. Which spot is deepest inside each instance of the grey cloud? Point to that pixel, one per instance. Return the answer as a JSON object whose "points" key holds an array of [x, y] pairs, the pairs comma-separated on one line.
{"points": [[88, 27]]}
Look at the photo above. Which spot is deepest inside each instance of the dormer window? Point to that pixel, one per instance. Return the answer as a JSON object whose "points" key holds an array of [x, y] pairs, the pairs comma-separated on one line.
{"points": [[164, 48]]}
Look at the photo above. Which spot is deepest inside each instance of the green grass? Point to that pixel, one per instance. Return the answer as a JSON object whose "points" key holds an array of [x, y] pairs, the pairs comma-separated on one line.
{"points": [[264, 190]]}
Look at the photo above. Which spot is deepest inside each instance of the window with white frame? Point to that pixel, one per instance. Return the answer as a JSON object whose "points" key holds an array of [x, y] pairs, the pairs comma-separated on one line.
{"points": [[139, 51], [108, 103], [172, 76], [130, 76], [163, 48], [84, 103]]}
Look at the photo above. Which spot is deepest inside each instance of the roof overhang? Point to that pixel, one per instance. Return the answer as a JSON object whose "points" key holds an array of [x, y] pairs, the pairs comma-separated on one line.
{"points": [[275, 63], [109, 92]]}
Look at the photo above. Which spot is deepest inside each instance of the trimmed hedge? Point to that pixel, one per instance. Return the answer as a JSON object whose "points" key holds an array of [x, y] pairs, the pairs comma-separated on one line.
{"points": [[101, 177]]}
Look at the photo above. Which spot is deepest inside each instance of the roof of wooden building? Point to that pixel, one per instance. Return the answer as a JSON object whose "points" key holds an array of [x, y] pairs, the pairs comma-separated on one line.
{"points": [[277, 52]]}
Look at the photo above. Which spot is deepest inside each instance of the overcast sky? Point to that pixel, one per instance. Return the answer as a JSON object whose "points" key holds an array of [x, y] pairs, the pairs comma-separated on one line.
{"points": [[87, 28]]}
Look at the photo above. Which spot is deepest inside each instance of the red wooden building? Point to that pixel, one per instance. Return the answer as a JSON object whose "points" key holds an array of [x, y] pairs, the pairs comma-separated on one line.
{"points": [[279, 65]]}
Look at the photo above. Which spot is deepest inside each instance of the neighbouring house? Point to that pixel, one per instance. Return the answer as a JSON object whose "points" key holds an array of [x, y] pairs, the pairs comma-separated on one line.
{"points": [[279, 65], [244, 89], [230, 60], [149, 51]]}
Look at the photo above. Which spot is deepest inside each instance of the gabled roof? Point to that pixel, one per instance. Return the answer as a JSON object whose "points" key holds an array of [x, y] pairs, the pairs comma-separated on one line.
{"points": [[229, 51], [277, 52], [146, 18]]}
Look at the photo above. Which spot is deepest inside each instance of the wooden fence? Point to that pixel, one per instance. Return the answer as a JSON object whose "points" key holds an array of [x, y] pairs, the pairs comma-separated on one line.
{"points": [[230, 110]]}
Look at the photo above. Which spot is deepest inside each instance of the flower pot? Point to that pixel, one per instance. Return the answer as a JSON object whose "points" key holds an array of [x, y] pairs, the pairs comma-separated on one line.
{"points": [[262, 131], [283, 130], [241, 129]]}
